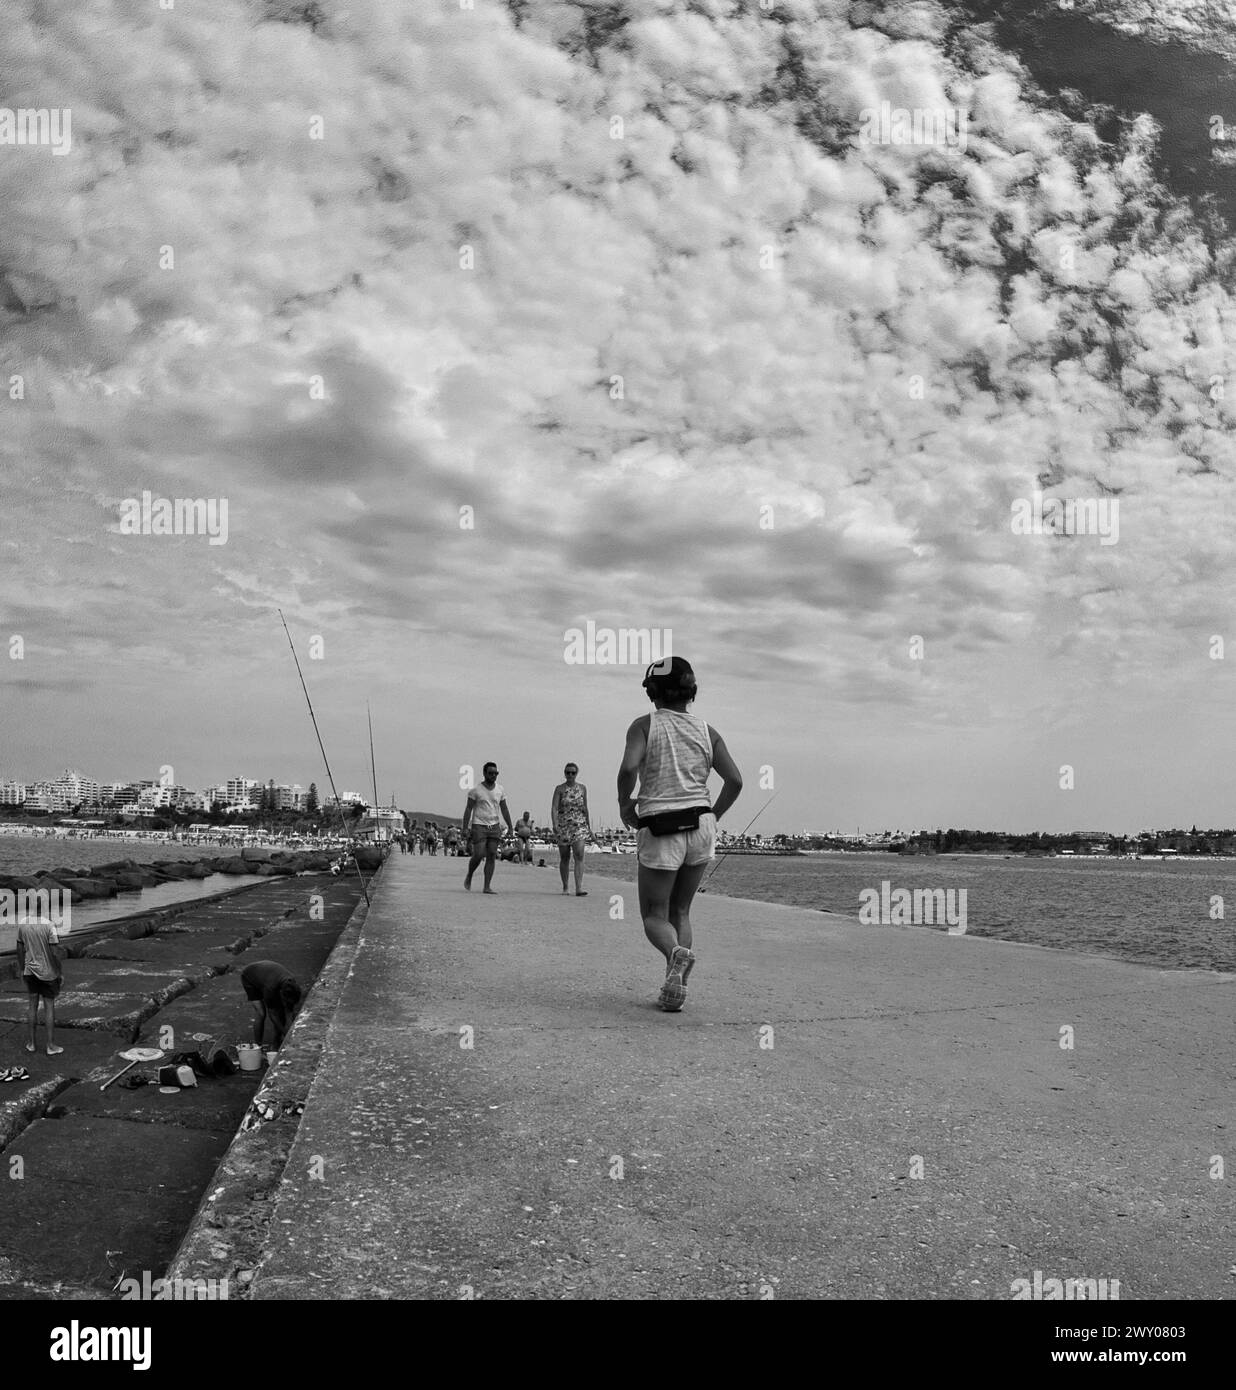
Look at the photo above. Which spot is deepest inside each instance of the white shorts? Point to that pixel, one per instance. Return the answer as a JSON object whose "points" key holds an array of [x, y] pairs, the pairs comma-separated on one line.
{"points": [[673, 851]]}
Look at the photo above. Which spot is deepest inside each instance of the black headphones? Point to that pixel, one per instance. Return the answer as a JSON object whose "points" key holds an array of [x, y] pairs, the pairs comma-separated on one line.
{"points": [[660, 674]]}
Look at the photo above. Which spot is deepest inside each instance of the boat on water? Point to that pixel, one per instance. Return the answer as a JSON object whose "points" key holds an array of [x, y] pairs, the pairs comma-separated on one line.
{"points": [[372, 855], [380, 825]]}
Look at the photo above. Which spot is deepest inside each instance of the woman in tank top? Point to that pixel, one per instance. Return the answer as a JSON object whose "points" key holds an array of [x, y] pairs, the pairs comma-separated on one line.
{"points": [[672, 752]]}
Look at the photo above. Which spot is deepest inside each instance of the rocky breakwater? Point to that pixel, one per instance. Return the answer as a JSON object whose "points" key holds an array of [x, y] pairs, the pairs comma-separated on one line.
{"points": [[128, 876]]}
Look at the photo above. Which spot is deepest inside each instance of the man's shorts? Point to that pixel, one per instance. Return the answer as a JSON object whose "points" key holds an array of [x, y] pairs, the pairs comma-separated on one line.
{"points": [[44, 989], [482, 834], [673, 851]]}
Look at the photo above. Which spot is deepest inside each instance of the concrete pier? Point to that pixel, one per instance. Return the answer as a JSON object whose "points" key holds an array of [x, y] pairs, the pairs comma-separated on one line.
{"points": [[101, 1185], [841, 1111]]}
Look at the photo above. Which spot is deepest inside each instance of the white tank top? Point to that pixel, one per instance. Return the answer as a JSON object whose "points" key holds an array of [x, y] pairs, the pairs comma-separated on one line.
{"points": [[674, 772]]}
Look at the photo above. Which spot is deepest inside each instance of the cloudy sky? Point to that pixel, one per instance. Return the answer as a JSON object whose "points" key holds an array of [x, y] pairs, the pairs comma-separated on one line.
{"points": [[625, 287]]}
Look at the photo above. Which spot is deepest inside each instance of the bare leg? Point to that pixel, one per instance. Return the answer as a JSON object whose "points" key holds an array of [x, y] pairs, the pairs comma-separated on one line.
{"points": [[655, 888], [491, 850], [577, 850], [473, 865], [49, 1013], [685, 884], [33, 1014], [564, 860]]}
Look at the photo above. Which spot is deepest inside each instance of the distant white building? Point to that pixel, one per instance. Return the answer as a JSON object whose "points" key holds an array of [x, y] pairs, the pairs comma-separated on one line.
{"points": [[239, 790], [347, 799], [12, 793], [290, 798], [41, 796]]}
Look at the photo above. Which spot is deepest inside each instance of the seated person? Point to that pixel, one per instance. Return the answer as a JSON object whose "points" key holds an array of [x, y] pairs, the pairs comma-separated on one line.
{"points": [[274, 993]]}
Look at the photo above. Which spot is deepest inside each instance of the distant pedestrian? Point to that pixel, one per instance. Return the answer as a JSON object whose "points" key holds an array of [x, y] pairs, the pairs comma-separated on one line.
{"points": [[452, 840], [484, 813], [38, 964], [431, 838], [523, 828], [672, 752], [568, 814], [274, 993]]}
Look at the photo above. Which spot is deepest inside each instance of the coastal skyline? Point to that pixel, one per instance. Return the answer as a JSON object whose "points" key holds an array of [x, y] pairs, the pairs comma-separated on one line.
{"points": [[233, 793], [451, 356]]}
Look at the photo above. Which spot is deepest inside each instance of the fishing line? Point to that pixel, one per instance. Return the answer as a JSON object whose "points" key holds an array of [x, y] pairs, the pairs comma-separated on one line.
{"points": [[739, 836]]}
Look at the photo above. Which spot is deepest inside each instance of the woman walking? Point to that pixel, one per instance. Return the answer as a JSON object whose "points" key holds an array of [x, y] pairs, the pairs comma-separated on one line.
{"points": [[568, 814], [672, 752]]}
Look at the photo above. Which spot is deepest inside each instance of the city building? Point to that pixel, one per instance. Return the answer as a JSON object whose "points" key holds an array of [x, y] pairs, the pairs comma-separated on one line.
{"points": [[239, 790]]}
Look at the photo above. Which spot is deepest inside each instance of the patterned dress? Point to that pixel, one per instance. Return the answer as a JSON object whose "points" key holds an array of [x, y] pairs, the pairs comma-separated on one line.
{"points": [[572, 822]]}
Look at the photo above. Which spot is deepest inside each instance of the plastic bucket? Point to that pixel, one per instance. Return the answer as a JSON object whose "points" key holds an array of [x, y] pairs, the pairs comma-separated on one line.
{"points": [[250, 1057]]}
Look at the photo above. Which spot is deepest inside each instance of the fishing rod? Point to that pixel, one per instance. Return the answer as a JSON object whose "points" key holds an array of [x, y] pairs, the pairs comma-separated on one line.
{"points": [[373, 766], [329, 776], [739, 836]]}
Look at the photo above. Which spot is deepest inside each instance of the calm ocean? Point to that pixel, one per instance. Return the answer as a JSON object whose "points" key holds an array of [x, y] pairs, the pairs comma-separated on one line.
{"points": [[1153, 912], [27, 854]]}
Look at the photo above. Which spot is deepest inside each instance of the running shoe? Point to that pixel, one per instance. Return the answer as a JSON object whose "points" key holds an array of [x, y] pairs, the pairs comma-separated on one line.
{"points": [[673, 992], [685, 956]]}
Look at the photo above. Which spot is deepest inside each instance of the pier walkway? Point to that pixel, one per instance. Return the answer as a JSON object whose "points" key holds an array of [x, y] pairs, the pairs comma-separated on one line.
{"points": [[841, 1111]]}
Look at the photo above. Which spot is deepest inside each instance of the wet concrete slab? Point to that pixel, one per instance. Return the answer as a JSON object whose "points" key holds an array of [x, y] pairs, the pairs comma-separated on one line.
{"points": [[163, 953], [215, 1103], [112, 1178], [90, 978], [54, 1228], [217, 1009], [74, 1006]]}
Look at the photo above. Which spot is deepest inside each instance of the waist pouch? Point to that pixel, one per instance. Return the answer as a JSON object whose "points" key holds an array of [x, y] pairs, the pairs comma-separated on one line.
{"points": [[674, 822]]}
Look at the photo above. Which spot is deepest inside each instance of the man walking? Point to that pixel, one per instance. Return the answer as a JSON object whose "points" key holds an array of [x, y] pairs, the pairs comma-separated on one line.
{"points": [[483, 815]]}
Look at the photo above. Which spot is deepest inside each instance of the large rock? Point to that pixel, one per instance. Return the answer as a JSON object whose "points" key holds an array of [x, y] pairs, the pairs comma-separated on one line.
{"points": [[256, 854], [172, 869], [116, 866], [128, 881], [89, 887], [235, 866], [24, 881]]}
